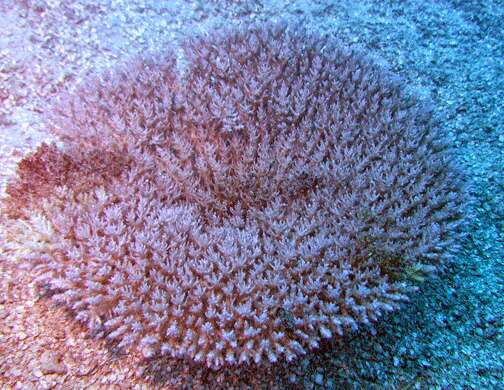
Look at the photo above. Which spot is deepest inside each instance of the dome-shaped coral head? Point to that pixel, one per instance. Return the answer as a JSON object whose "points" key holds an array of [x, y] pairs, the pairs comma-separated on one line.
{"points": [[279, 190]]}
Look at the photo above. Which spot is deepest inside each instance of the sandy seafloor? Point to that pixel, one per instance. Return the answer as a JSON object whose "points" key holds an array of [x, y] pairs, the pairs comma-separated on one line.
{"points": [[450, 336]]}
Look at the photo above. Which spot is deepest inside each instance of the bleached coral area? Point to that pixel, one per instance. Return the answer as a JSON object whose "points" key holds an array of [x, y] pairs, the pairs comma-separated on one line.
{"points": [[281, 190]]}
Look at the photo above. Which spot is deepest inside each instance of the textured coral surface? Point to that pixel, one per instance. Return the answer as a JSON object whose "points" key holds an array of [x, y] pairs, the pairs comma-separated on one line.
{"points": [[280, 190]]}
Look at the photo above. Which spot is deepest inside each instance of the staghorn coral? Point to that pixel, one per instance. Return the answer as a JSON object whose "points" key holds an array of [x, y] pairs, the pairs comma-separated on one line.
{"points": [[277, 192]]}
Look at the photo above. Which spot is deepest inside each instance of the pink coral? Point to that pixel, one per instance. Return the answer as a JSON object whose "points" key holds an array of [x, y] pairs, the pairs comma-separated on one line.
{"points": [[274, 194]]}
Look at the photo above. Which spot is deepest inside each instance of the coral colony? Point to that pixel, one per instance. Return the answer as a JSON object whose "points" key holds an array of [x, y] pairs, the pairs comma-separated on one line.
{"points": [[277, 191]]}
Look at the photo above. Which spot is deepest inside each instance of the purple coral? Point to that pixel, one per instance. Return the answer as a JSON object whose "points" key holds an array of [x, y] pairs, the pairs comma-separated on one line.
{"points": [[277, 192]]}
